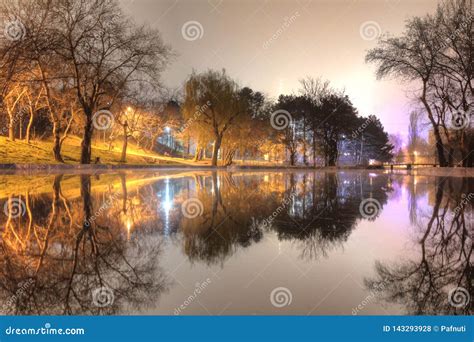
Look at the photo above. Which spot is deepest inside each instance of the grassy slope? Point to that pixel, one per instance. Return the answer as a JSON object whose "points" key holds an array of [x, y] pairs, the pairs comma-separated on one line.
{"points": [[40, 152]]}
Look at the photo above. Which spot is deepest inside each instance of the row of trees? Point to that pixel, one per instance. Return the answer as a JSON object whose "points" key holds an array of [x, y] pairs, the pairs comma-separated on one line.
{"points": [[436, 54], [317, 124], [78, 67]]}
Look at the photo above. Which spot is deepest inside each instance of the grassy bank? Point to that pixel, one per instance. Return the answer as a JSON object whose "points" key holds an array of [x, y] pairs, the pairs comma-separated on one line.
{"points": [[40, 152]]}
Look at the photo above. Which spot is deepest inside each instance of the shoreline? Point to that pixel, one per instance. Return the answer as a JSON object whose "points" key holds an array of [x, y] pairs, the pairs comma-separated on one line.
{"points": [[58, 168]]}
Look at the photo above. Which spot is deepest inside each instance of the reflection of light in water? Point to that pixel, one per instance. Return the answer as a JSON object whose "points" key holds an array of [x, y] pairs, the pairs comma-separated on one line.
{"points": [[371, 174], [129, 227], [167, 204]]}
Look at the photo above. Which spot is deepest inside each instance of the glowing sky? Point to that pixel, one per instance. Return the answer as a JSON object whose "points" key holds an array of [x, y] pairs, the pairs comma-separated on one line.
{"points": [[269, 45]]}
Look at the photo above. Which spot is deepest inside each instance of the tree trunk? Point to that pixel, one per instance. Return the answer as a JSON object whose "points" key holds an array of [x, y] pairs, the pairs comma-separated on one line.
{"points": [[123, 158], [198, 153], [436, 132], [292, 158], [11, 128], [57, 142], [87, 140], [30, 123], [215, 150], [332, 159]]}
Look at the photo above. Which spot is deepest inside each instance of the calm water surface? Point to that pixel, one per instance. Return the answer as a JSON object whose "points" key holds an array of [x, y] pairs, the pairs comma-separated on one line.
{"points": [[222, 243]]}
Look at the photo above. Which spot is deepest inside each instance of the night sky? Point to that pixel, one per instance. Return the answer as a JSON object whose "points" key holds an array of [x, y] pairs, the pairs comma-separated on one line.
{"points": [[270, 45]]}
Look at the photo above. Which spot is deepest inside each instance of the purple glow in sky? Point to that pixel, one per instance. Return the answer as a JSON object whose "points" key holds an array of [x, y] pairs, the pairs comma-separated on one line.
{"points": [[270, 45]]}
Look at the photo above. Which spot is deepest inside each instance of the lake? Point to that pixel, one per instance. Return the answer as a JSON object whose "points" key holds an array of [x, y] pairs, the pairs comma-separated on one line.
{"points": [[200, 242]]}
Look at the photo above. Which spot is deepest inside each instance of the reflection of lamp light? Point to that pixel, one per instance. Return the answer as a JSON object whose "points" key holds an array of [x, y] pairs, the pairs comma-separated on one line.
{"points": [[129, 227], [167, 129]]}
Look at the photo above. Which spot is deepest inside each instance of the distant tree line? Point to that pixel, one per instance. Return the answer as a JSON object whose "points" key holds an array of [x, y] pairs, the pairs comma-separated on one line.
{"points": [[314, 126]]}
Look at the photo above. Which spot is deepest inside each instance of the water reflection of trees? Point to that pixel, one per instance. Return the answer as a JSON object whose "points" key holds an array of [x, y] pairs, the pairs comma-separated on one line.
{"points": [[111, 235], [321, 214], [64, 249], [444, 241]]}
